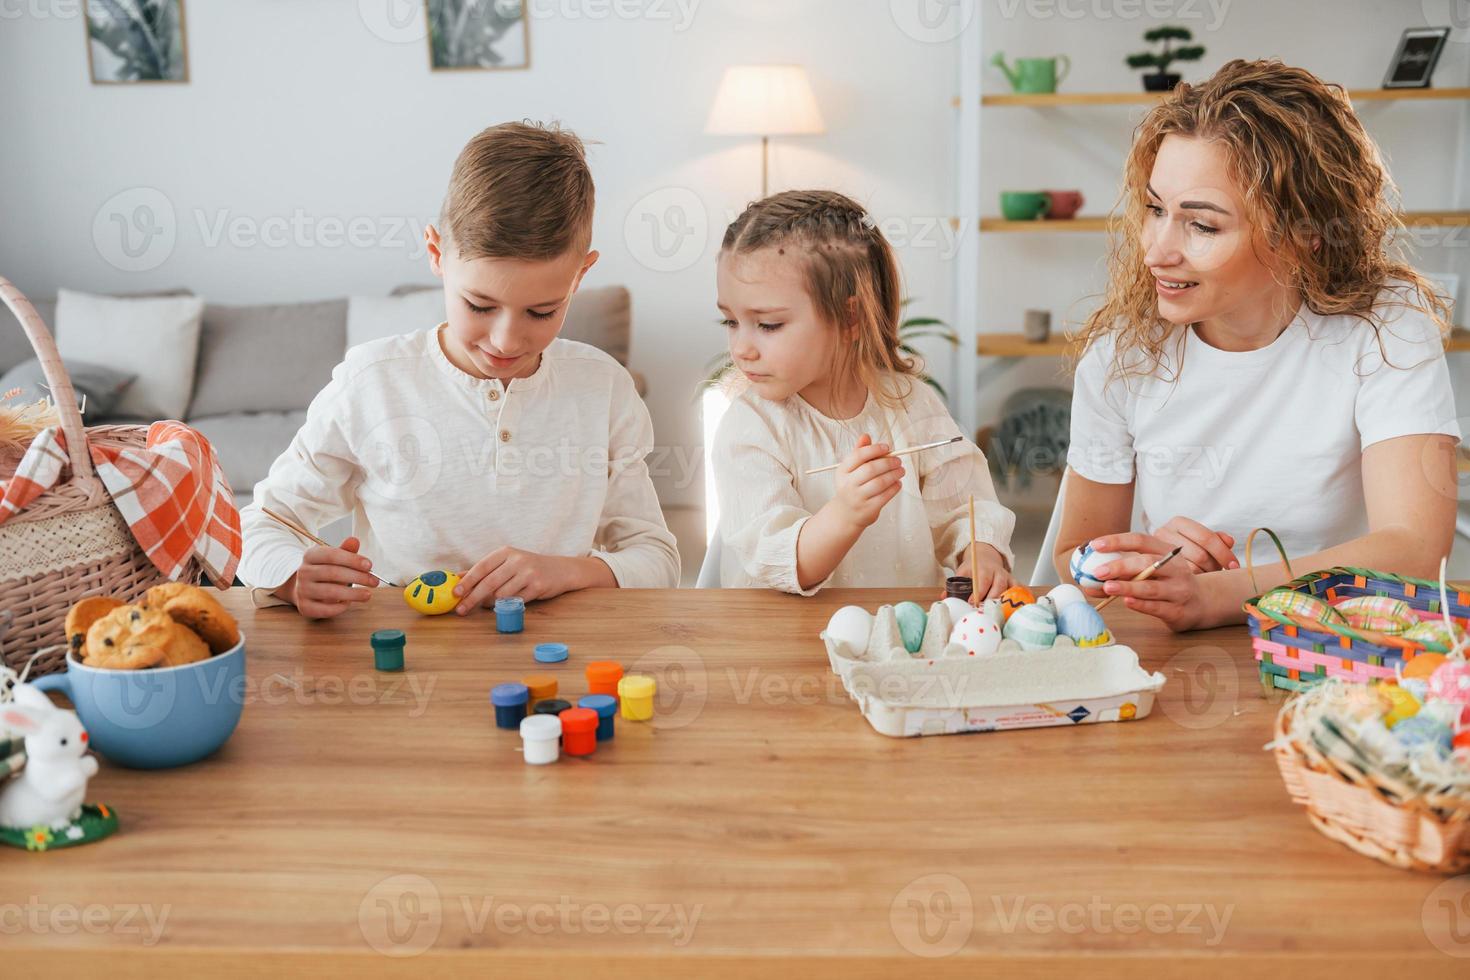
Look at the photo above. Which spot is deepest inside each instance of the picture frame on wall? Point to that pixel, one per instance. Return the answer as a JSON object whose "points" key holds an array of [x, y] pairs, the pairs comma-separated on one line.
{"points": [[1414, 59], [134, 41], [478, 35]]}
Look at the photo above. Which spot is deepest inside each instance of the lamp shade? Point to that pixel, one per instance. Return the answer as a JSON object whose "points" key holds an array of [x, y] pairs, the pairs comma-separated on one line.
{"points": [[765, 100]]}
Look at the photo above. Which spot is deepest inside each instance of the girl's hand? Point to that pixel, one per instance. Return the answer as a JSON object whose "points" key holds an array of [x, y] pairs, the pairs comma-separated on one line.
{"points": [[1174, 594], [513, 572], [865, 482], [323, 586], [991, 575]]}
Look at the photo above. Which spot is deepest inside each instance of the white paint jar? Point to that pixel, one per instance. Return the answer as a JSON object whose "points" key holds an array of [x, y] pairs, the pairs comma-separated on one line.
{"points": [[541, 739]]}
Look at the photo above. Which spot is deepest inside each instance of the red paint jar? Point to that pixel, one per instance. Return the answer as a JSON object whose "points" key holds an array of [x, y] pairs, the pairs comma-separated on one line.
{"points": [[578, 731]]}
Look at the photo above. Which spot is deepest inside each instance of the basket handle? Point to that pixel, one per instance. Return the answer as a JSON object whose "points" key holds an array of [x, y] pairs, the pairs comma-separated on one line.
{"points": [[56, 378], [1250, 566]]}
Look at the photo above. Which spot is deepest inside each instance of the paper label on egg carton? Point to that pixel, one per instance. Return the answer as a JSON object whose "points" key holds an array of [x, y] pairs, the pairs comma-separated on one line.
{"points": [[954, 721]]}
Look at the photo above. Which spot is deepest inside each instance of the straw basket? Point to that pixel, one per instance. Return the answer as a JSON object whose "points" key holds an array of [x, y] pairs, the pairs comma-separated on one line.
{"points": [[1369, 812], [70, 542]]}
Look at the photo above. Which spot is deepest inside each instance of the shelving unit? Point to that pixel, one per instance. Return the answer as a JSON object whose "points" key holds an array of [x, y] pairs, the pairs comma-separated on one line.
{"points": [[1016, 345], [1414, 219], [1056, 99]]}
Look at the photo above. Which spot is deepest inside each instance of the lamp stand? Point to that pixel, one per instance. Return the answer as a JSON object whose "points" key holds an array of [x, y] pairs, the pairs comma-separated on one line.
{"points": [[765, 166]]}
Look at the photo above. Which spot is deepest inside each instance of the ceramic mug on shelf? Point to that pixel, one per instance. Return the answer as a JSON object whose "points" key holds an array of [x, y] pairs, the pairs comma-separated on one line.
{"points": [[1024, 205], [1064, 204]]}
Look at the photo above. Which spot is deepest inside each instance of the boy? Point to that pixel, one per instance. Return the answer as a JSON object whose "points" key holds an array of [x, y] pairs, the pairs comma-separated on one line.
{"points": [[485, 446]]}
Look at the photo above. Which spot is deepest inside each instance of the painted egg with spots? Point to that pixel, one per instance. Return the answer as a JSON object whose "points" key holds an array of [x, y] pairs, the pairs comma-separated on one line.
{"points": [[851, 626], [1085, 561], [1451, 682], [1084, 625], [1032, 627], [432, 593], [977, 633], [911, 622], [1014, 598]]}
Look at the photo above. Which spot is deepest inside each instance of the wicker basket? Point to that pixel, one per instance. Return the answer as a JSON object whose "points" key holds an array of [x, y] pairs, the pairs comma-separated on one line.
{"points": [[70, 542], [1369, 813]]}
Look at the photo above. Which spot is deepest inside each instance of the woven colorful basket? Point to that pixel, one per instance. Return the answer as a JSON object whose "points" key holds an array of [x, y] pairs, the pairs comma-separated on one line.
{"points": [[1296, 651]]}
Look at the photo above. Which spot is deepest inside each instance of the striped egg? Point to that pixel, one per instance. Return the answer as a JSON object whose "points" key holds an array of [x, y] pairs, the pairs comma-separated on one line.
{"points": [[1084, 625], [1085, 561], [1032, 627]]}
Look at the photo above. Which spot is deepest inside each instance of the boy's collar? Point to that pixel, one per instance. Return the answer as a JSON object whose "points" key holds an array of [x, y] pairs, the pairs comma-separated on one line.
{"points": [[436, 351]]}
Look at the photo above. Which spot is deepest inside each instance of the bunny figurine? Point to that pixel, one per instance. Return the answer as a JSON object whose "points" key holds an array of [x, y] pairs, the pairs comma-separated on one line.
{"points": [[49, 790]]}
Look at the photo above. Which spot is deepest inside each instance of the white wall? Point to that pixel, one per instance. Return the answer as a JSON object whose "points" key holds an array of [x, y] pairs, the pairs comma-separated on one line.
{"points": [[302, 108]]}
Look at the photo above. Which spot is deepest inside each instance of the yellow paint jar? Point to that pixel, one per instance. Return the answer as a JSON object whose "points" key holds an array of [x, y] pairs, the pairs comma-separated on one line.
{"points": [[635, 694]]}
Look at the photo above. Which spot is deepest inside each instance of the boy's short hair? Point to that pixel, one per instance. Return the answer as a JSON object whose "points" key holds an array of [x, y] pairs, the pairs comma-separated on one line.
{"points": [[519, 190]]}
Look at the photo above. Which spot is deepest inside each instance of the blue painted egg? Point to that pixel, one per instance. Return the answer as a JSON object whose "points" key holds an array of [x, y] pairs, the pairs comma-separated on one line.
{"points": [[1085, 561], [1032, 627], [1084, 625], [1419, 731], [911, 622]]}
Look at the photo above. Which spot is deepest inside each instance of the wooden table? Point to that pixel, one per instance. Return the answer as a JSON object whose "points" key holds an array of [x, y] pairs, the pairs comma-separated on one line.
{"points": [[758, 824]]}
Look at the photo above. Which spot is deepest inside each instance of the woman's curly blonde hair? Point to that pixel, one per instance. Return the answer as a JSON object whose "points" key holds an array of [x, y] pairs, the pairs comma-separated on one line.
{"points": [[1315, 188]]}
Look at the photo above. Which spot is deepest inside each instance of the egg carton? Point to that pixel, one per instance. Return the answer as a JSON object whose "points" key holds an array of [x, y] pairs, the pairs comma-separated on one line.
{"points": [[903, 695]]}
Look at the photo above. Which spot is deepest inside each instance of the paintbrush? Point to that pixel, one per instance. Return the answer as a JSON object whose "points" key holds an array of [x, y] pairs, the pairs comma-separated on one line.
{"points": [[292, 525], [974, 567], [1147, 573], [901, 452]]}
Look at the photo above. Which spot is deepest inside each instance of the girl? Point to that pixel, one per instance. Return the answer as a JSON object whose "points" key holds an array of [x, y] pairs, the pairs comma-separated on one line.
{"points": [[1261, 359], [809, 293]]}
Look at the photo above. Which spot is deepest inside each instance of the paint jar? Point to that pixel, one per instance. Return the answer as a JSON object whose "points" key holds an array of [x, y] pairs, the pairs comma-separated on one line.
{"points": [[551, 706], [606, 707], [540, 735], [388, 649], [635, 692], [578, 731], [510, 704], [550, 653], [510, 614], [603, 677], [540, 686], [959, 587]]}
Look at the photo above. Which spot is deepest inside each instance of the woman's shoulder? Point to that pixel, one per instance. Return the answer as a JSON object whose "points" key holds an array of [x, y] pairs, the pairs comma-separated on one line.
{"points": [[1399, 330]]}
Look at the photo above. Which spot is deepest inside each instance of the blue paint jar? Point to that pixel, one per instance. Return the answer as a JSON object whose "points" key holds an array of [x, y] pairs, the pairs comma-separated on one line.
{"points": [[510, 704], [510, 614], [550, 653], [606, 707], [388, 649]]}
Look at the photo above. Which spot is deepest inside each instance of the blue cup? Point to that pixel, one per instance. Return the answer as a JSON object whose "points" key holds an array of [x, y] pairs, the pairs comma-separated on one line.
{"points": [[157, 718]]}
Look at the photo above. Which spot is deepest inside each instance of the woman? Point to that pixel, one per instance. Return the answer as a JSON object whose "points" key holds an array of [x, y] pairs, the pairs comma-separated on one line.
{"points": [[1261, 358]]}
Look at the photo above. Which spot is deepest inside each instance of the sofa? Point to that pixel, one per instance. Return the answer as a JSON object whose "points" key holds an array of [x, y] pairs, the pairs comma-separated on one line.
{"points": [[259, 366]]}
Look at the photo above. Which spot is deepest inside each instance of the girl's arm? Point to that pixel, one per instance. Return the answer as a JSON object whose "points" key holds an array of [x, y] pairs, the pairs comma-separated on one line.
{"points": [[1409, 485]]}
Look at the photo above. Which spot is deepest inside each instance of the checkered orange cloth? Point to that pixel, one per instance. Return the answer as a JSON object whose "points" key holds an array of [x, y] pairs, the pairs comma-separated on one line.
{"points": [[172, 493]]}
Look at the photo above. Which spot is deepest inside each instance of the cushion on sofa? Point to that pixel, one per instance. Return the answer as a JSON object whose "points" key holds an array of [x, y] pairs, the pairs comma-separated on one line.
{"points": [[268, 358], [248, 443], [98, 388], [155, 338], [15, 348]]}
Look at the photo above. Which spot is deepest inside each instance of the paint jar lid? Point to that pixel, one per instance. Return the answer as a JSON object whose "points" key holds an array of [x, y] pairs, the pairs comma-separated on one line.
{"points": [[552, 706], [604, 672], [549, 653], [512, 603], [509, 695], [538, 728], [604, 704], [540, 685], [578, 720], [389, 638], [635, 686]]}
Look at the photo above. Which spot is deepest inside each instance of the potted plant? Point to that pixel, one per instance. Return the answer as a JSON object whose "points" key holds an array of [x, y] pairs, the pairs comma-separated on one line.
{"points": [[911, 329], [1161, 79]]}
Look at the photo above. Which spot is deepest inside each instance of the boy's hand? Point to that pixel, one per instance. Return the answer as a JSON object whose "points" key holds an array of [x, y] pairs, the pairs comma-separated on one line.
{"points": [[323, 586], [513, 572], [991, 575], [866, 481]]}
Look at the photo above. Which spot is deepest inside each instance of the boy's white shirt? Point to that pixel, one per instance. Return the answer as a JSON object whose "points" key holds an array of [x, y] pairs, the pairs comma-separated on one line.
{"points": [[764, 448], [439, 468]]}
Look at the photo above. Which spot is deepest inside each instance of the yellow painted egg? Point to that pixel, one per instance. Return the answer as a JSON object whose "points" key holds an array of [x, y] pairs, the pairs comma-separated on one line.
{"points": [[1401, 704], [432, 593]]}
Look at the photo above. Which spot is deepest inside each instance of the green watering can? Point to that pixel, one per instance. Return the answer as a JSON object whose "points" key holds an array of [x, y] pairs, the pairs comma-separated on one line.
{"points": [[1034, 75]]}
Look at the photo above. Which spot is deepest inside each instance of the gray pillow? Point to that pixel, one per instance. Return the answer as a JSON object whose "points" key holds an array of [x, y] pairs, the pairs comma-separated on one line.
{"points": [[101, 386], [15, 348], [272, 358]]}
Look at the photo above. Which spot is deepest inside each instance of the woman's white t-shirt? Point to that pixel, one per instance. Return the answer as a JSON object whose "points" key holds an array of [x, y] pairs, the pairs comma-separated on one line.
{"points": [[1264, 438]]}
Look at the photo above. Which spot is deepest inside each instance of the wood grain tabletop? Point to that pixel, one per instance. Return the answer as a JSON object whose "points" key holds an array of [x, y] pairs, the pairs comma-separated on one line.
{"points": [[366, 823]]}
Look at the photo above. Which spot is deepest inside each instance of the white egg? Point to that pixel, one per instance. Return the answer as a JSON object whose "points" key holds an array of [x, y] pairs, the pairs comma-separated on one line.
{"points": [[1065, 595], [851, 625], [958, 608]]}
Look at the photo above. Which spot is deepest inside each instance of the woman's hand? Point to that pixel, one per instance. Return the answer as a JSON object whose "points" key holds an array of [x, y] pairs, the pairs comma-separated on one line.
{"points": [[1174, 594], [1204, 550]]}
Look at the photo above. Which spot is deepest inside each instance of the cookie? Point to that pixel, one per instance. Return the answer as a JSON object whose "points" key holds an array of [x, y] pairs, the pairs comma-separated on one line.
{"points": [[197, 609], [81, 616], [129, 638]]}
